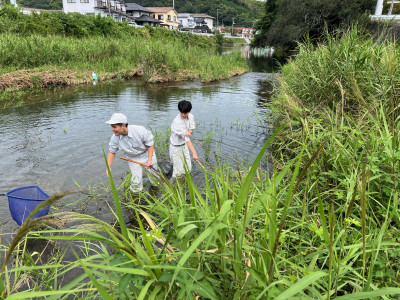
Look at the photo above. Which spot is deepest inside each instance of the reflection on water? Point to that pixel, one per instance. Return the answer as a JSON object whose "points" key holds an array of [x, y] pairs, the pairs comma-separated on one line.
{"points": [[57, 138]]}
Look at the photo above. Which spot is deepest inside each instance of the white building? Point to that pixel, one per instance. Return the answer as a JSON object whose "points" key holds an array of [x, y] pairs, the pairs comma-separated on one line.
{"points": [[113, 8], [186, 20], [203, 19]]}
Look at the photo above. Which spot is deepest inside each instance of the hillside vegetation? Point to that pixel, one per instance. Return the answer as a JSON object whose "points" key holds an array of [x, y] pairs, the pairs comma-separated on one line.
{"points": [[42, 4]]}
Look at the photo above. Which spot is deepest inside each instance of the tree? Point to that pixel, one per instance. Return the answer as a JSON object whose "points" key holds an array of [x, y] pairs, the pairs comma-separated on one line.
{"points": [[262, 26], [296, 19]]}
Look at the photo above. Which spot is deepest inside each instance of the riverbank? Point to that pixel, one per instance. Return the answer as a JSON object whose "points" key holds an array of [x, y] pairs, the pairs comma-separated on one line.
{"points": [[54, 77], [39, 61], [340, 103]]}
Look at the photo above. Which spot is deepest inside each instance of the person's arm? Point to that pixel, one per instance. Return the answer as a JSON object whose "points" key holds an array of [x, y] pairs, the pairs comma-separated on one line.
{"points": [[150, 150], [190, 145], [192, 125], [110, 160]]}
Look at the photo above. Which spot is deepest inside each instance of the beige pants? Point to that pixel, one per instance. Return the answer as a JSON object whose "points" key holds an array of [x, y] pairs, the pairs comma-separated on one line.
{"points": [[179, 156], [137, 171]]}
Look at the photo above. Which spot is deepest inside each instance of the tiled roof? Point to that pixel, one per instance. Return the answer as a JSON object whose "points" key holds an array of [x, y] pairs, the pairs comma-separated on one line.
{"points": [[144, 18], [160, 9], [202, 16], [137, 7]]}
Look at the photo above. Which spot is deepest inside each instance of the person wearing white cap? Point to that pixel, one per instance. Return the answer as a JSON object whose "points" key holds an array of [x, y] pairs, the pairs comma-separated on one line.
{"points": [[137, 143], [181, 129]]}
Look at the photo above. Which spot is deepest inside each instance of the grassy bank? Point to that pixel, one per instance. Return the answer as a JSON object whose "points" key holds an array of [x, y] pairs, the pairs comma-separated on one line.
{"points": [[156, 59], [340, 102]]}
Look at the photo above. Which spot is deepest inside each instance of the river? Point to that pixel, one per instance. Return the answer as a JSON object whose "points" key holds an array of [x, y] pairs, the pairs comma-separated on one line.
{"points": [[55, 139]]}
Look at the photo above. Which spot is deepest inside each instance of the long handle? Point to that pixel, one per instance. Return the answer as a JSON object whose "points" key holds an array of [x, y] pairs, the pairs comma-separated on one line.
{"points": [[2, 194], [134, 161]]}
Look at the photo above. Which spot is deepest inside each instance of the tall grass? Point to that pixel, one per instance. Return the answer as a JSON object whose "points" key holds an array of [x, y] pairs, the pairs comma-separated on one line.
{"points": [[343, 96], [169, 59]]}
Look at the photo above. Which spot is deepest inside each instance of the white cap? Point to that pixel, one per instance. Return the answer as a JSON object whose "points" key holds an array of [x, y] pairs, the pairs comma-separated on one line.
{"points": [[117, 118]]}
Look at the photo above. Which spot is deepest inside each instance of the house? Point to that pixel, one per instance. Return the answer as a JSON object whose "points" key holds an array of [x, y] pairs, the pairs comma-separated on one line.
{"points": [[245, 32], [185, 20], [141, 15], [203, 21], [167, 15], [112, 8]]}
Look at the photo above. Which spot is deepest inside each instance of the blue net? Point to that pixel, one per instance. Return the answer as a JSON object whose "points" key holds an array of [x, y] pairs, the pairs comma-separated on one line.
{"points": [[23, 200]]}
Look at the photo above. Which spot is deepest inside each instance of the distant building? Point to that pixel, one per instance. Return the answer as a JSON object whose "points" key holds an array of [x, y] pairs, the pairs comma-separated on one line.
{"points": [[167, 15], [245, 32], [186, 20], [141, 15], [112, 8], [203, 21]]}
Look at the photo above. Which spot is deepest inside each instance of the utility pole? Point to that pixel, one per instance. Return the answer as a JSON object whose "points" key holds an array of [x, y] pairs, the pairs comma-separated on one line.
{"points": [[173, 14], [217, 18], [233, 22]]}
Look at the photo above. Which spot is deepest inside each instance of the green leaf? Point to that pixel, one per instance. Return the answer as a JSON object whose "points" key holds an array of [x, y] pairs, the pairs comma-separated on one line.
{"points": [[31, 295], [154, 293], [124, 282], [205, 234], [185, 230], [144, 290], [166, 276], [205, 290], [117, 203], [301, 285], [370, 295]]}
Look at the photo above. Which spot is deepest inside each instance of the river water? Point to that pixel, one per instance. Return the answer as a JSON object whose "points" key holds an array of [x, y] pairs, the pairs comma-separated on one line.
{"points": [[55, 139]]}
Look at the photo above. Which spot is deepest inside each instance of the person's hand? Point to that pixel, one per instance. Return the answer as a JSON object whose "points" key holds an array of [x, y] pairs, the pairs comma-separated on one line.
{"points": [[148, 165], [195, 157], [107, 173]]}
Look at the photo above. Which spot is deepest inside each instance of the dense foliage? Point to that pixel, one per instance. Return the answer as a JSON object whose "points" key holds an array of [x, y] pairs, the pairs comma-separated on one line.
{"points": [[265, 23], [309, 18], [242, 12], [42, 4]]}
